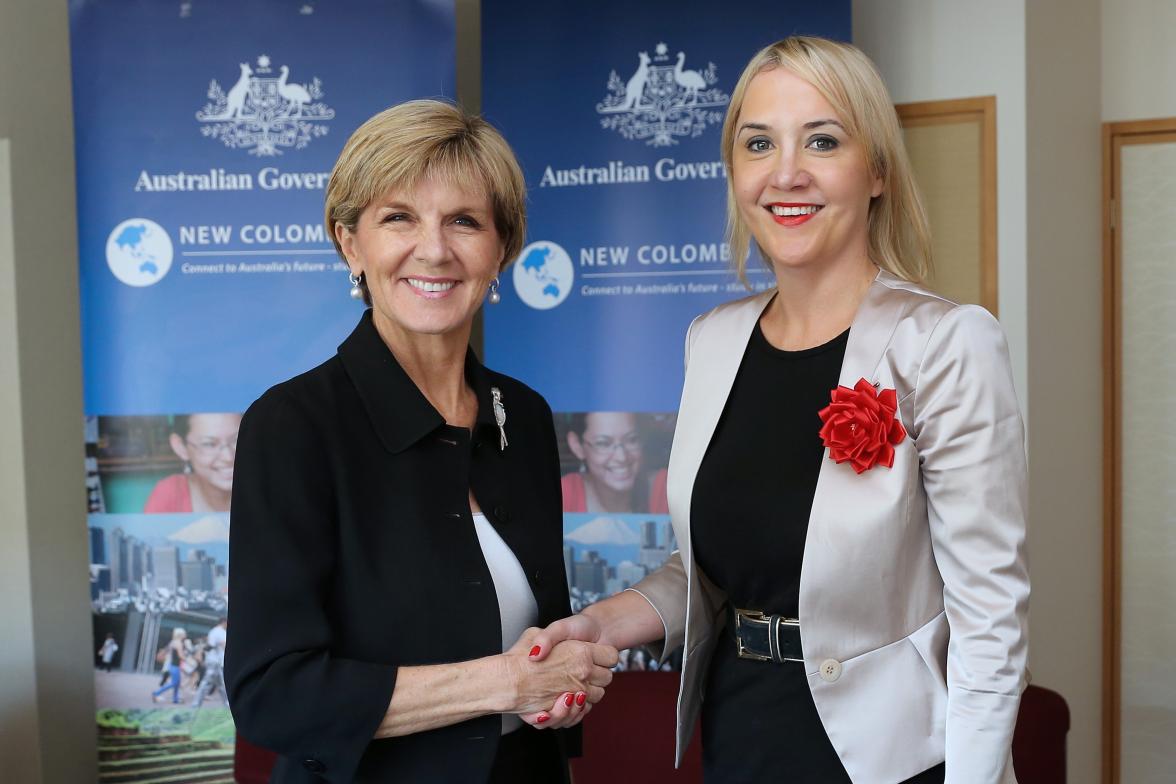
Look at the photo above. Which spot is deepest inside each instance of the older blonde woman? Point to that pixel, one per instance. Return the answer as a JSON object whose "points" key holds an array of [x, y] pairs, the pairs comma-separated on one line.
{"points": [[396, 510], [849, 487]]}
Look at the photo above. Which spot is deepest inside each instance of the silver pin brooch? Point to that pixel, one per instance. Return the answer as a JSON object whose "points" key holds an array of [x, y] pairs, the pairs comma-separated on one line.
{"points": [[499, 416]]}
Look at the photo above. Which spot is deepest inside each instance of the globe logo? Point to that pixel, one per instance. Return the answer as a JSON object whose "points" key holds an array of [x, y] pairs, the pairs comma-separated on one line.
{"points": [[543, 275], [139, 252]]}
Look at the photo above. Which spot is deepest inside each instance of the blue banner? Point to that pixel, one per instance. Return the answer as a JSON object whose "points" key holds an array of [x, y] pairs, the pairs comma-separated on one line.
{"points": [[615, 110], [205, 135], [206, 132]]}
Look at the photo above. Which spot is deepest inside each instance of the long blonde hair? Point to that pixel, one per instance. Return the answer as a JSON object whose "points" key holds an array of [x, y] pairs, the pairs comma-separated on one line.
{"points": [[900, 238]]}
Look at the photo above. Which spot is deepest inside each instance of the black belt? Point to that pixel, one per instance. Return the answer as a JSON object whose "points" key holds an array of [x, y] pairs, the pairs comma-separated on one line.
{"points": [[769, 638]]}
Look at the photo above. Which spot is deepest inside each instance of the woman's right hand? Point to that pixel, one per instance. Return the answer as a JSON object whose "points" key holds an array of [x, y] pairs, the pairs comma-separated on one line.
{"points": [[583, 627], [572, 667]]}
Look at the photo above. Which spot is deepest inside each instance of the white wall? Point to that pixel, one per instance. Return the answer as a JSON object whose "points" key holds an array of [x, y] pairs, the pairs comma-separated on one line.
{"points": [[928, 51], [1138, 59], [47, 727]]}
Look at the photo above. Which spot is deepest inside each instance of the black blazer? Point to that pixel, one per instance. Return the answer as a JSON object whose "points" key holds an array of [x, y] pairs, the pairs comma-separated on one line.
{"points": [[354, 552]]}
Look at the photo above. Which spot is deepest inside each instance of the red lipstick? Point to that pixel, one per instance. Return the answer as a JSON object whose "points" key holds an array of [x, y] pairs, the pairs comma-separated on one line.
{"points": [[793, 220]]}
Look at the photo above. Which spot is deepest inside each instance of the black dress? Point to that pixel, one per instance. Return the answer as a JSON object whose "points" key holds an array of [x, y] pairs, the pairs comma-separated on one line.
{"points": [[749, 517]]}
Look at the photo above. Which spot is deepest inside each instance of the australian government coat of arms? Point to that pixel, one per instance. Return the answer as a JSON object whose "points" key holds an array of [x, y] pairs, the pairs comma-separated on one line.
{"points": [[262, 112], [663, 100]]}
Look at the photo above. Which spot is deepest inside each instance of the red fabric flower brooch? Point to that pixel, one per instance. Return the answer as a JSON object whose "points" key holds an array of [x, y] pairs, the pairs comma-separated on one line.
{"points": [[859, 426]]}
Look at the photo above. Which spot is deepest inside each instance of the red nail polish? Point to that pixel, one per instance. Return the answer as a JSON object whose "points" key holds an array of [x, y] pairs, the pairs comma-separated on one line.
{"points": [[581, 698], [534, 651], [542, 718], [568, 700]]}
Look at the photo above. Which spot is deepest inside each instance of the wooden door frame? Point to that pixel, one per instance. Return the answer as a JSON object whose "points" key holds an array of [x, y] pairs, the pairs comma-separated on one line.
{"points": [[1114, 136], [982, 109]]}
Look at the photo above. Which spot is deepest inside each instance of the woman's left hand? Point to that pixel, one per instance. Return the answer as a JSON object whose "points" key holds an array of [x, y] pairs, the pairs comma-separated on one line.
{"points": [[568, 711]]}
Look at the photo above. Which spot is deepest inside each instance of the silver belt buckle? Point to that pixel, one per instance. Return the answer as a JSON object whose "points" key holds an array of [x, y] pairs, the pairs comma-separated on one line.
{"points": [[742, 617], [773, 624]]}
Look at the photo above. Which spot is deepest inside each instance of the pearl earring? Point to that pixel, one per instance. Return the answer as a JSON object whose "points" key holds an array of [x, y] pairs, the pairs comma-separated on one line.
{"points": [[494, 297], [356, 292]]}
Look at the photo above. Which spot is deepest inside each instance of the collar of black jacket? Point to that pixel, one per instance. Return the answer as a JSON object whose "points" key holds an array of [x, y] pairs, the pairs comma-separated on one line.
{"points": [[398, 410]]}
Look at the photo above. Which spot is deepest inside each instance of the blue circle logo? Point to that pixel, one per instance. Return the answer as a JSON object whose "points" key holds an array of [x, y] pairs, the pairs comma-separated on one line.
{"points": [[139, 252], [543, 275]]}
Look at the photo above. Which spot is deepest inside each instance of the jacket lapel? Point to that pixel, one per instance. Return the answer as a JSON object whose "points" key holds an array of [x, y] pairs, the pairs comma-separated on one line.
{"points": [[871, 331], [837, 485], [718, 353], [399, 413]]}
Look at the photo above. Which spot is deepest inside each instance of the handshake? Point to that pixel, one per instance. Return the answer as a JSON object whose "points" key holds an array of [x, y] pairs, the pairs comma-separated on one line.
{"points": [[560, 672]]}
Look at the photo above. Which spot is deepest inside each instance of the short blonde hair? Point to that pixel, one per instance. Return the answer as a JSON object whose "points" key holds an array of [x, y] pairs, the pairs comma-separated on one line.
{"points": [[414, 140], [900, 238]]}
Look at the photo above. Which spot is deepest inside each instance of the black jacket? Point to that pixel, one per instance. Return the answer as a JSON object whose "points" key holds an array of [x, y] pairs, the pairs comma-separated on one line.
{"points": [[354, 552]]}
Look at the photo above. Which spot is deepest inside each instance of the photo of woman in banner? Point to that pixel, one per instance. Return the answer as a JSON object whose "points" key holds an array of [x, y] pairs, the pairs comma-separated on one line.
{"points": [[852, 421], [399, 505], [175, 464], [616, 472], [207, 445]]}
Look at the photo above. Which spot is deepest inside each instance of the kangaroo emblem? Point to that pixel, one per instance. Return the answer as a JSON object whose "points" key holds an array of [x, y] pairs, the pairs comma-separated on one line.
{"points": [[636, 86], [235, 98]]}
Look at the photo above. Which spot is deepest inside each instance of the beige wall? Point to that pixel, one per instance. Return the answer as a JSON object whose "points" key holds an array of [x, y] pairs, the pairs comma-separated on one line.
{"points": [[1065, 363], [46, 688], [931, 50], [1138, 59], [1041, 60], [19, 739]]}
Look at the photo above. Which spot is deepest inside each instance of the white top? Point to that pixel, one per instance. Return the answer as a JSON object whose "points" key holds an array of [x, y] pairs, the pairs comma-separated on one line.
{"points": [[517, 609]]}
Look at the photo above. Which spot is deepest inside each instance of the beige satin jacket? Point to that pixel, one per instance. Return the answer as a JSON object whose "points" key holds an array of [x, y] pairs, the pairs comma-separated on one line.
{"points": [[914, 587]]}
